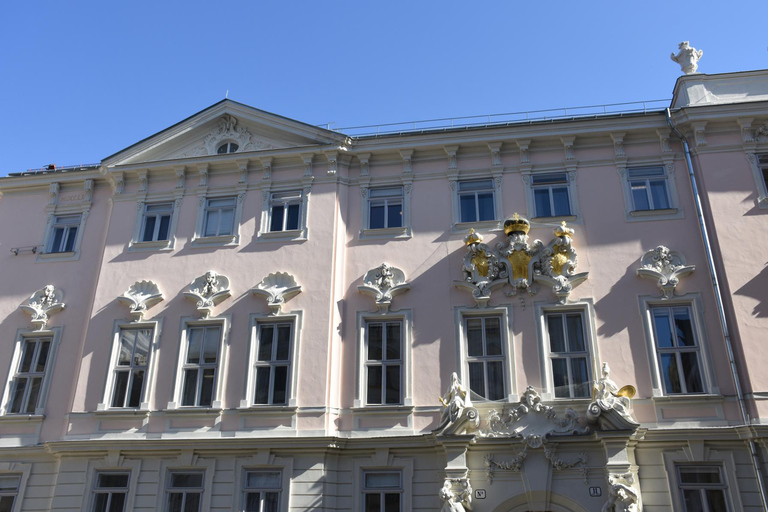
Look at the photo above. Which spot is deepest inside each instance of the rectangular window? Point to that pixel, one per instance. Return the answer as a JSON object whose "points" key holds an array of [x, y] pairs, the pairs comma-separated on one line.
{"points": [[9, 490], [64, 233], [702, 488], [385, 207], [156, 222], [285, 211], [185, 492], [476, 200], [219, 217], [384, 362], [273, 363], [677, 349], [131, 367], [200, 366], [485, 356], [28, 381], [110, 492], [568, 354], [648, 186], [551, 195], [382, 491], [261, 492]]}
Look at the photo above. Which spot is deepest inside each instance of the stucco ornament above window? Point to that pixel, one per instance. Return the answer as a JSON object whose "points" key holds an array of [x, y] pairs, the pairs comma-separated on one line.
{"points": [[228, 131], [207, 291], [141, 296], [42, 304], [520, 264], [688, 58], [382, 284], [666, 267], [277, 288], [609, 399], [459, 417]]}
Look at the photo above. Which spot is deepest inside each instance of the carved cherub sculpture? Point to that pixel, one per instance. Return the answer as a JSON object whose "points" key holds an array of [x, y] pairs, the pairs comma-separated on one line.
{"points": [[455, 501], [455, 400], [606, 394], [209, 288], [688, 58], [621, 497]]}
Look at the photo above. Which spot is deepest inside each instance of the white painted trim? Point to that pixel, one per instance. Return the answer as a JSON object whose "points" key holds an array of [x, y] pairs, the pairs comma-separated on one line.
{"points": [[293, 235], [197, 464], [573, 195], [198, 240], [488, 225], [266, 462], [719, 458], [124, 465], [587, 309], [760, 185], [83, 210], [505, 312], [675, 210], [141, 207], [385, 233], [23, 471]]}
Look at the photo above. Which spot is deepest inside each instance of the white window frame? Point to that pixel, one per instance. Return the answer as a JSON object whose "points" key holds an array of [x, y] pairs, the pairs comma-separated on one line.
{"points": [[256, 320], [185, 463], [224, 322], [199, 239], [383, 462], [505, 313], [586, 309], [21, 336], [168, 490], [138, 228], [50, 229], [677, 351], [285, 200], [264, 461], [403, 316], [267, 194], [404, 231], [228, 143], [260, 490], [673, 212], [14, 494], [96, 490], [571, 174], [758, 169], [22, 471], [496, 222], [697, 454], [694, 302], [117, 328]]}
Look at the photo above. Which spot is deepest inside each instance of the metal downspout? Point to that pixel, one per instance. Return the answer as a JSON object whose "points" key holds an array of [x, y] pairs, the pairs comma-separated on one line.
{"points": [[720, 308]]}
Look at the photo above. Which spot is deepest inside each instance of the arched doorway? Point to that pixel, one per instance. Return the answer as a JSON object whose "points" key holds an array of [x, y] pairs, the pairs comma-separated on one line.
{"points": [[541, 502]]}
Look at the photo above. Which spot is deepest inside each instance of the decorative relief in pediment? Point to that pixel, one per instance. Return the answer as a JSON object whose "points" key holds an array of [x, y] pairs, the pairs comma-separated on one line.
{"points": [[229, 129]]}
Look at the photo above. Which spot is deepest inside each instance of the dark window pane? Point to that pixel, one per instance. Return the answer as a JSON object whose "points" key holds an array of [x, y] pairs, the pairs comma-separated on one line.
{"points": [[692, 498], [262, 385], [186, 480], [560, 377], [34, 392], [374, 384], [670, 373], [562, 201], [283, 342], [376, 216], [189, 393], [277, 218], [293, 217], [206, 393], [375, 342], [716, 499], [252, 502], [121, 387], [556, 335], [683, 328], [485, 205], [127, 340], [475, 185], [575, 333], [211, 223], [475, 337], [270, 502], [136, 387], [99, 503], [393, 341], [663, 330], [27, 356], [195, 343], [393, 384], [467, 205], [580, 376], [149, 228], [372, 503], [227, 221], [477, 378], [492, 337], [175, 501], [141, 352], [541, 200], [699, 475], [265, 342], [18, 394], [211, 348], [659, 195], [71, 237], [118, 502], [690, 362], [391, 502], [165, 222], [42, 356], [394, 215], [58, 234], [192, 503], [639, 196], [280, 385], [495, 380], [113, 480]]}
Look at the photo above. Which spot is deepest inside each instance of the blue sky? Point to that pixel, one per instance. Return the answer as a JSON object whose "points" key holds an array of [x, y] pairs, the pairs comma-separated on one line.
{"points": [[82, 80]]}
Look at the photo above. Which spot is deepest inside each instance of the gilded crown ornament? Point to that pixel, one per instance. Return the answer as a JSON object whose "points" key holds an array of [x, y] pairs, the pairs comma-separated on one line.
{"points": [[473, 238], [516, 224]]}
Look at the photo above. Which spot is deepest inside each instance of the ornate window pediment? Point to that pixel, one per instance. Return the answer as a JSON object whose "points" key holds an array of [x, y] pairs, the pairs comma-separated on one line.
{"points": [[382, 284], [43, 303], [666, 267], [277, 288], [141, 296], [207, 291]]}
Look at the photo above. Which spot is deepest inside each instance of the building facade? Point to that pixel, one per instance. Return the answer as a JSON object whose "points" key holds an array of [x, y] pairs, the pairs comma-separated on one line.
{"points": [[245, 312]]}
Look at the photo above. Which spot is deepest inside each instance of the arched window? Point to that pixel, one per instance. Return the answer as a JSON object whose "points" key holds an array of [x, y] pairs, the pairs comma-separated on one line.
{"points": [[227, 147]]}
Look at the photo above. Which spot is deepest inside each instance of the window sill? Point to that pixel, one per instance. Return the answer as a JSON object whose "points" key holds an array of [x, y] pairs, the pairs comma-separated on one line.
{"points": [[213, 241], [22, 418], [550, 220], [57, 256], [289, 235], [158, 245], [689, 398], [116, 413], [382, 410], [484, 225], [200, 412], [380, 233], [653, 213], [267, 410]]}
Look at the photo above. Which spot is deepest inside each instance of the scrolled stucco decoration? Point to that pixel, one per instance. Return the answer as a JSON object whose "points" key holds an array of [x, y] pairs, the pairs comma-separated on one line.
{"points": [[666, 267], [207, 291], [42, 304], [558, 264], [622, 494], [688, 58], [383, 283], [141, 296], [533, 421], [227, 131], [456, 500], [482, 270], [516, 463], [520, 258], [277, 288], [611, 407], [458, 416]]}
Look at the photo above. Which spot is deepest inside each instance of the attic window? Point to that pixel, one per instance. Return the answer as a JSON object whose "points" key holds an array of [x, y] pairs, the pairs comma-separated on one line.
{"points": [[227, 147]]}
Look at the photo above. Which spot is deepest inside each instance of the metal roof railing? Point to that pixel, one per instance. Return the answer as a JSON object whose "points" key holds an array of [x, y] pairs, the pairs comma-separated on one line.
{"points": [[447, 123], [51, 169]]}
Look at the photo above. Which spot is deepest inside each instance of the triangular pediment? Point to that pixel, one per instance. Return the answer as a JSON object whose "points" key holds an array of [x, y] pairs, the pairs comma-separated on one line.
{"points": [[202, 134]]}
